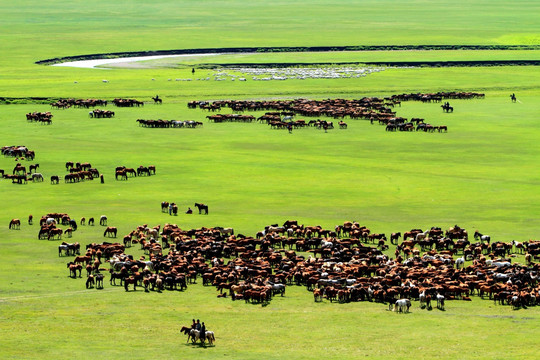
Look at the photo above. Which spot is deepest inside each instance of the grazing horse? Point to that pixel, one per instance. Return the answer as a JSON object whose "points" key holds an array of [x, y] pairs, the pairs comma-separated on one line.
{"points": [[110, 231], [83, 220], [202, 207], [102, 220], [15, 224], [91, 221], [30, 219], [55, 179], [37, 177], [395, 237], [402, 305], [122, 174]]}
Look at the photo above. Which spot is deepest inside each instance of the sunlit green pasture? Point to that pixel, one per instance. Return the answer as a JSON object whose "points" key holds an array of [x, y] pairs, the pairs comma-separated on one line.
{"points": [[482, 174]]}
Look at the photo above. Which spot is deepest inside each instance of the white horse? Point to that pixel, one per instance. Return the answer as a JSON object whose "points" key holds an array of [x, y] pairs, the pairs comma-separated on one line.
{"points": [[440, 302], [423, 299], [103, 220], [460, 262], [37, 177], [421, 236], [195, 336], [402, 305]]}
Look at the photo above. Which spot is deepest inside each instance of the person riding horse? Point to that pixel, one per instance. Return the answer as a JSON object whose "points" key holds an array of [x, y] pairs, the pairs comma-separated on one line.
{"points": [[202, 333]]}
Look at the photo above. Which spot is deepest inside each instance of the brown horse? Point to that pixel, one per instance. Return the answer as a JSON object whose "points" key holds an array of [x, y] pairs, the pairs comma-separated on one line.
{"points": [[55, 232], [164, 206], [110, 231], [121, 174], [130, 280], [15, 224]]}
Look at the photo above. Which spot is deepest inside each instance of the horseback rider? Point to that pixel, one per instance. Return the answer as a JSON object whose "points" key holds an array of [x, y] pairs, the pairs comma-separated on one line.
{"points": [[198, 325], [194, 324], [202, 333], [189, 211]]}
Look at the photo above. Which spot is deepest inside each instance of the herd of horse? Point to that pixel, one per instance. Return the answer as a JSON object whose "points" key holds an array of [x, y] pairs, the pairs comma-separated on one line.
{"points": [[123, 173], [342, 264], [369, 108], [99, 113], [192, 124], [41, 117]]}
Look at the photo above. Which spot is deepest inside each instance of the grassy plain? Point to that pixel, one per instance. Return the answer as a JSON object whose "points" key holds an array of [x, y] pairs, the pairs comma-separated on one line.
{"points": [[481, 175]]}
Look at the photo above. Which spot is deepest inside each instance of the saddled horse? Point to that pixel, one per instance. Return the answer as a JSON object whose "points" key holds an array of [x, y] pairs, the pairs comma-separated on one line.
{"points": [[202, 207], [157, 100], [110, 231], [15, 224], [513, 97], [194, 335], [446, 107]]}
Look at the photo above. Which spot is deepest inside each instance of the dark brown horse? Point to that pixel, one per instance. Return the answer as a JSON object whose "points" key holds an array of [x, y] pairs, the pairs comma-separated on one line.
{"points": [[33, 167], [202, 207]]}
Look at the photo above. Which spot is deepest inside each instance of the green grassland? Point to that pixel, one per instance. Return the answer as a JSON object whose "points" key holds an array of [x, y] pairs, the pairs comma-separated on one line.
{"points": [[482, 174]]}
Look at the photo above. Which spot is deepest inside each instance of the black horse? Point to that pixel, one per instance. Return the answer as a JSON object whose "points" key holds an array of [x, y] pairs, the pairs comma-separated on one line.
{"points": [[157, 100], [202, 207], [513, 97]]}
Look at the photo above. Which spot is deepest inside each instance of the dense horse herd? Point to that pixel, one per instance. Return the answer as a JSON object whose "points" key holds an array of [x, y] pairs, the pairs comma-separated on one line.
{"points": [[344, 264], [192, 124], [41, 117], [369, 108]]}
